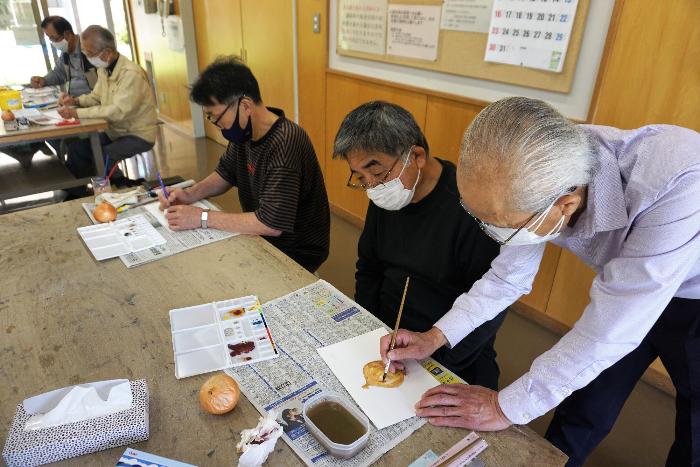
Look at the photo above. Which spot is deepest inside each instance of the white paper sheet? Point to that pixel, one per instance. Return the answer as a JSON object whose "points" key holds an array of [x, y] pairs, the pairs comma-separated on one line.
{"points": [[362, 25], [383, 406], [466, 15], [413, 31], [176, 241], [531, 34], [48, 117], [154, 208]]}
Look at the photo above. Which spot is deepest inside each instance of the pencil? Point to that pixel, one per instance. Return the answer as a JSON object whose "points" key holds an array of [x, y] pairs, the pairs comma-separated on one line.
{"points": [[162, 186], [396, 328]]}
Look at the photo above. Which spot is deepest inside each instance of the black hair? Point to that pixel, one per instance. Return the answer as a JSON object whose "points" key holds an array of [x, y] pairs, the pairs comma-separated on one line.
{"points": [[60, 24], [226, 79], [378, 126]]}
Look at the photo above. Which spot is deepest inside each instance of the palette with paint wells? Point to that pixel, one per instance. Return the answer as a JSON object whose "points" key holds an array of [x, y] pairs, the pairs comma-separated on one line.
{"points": [[120, 237], [220, 335]]}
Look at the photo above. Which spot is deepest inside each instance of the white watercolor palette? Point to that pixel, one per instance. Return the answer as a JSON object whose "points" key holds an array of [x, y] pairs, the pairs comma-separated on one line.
{"points": [[120, 237], [219, 335]]}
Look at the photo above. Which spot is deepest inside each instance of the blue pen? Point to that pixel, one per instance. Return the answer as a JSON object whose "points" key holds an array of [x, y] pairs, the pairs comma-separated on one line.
{"points": [[162, 186]]}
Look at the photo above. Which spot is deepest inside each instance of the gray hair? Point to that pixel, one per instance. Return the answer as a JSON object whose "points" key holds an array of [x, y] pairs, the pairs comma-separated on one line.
{"points": [[100, 37], [378, 126], [542, 153]]}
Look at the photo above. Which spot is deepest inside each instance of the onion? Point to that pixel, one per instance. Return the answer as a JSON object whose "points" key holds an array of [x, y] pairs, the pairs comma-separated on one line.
{"points": [[219, 394], [105, 212], [7, 116]]}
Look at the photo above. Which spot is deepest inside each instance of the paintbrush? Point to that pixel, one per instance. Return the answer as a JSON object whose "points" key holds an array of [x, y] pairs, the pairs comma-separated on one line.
{"points": [[396, 328]]}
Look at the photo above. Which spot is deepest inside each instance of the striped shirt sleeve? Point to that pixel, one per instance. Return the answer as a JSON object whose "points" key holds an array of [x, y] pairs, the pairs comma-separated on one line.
{"points": [[227, 165], [279, 199]]}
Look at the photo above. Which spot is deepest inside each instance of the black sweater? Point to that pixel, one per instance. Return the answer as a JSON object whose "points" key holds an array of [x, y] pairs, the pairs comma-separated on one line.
{"points": [[443, 250]]}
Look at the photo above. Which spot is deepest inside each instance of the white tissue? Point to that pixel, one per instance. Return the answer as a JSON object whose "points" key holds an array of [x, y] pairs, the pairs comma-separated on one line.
{"points": [[118, 199], [265, 434], [76, 403]]}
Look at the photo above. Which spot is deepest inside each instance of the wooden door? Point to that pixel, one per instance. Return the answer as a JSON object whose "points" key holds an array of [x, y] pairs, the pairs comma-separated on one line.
{"points": [[218, 32], [268, 40]]}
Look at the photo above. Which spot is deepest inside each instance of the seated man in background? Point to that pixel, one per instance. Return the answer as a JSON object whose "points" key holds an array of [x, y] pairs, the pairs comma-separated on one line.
{"points": [[122, 96], [72, 68], [415, 227], [271, 161]]}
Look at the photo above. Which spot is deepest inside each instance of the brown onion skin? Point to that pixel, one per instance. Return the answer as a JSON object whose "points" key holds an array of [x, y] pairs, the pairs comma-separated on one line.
{"points": [[105, 212], [219, 394]]}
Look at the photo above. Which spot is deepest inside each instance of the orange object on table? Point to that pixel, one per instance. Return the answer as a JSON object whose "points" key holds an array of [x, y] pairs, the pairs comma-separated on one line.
{"points": [[75, 121]]}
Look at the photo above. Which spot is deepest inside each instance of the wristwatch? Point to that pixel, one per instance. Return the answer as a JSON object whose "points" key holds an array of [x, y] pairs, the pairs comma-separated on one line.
{"points": [[205, 217]]}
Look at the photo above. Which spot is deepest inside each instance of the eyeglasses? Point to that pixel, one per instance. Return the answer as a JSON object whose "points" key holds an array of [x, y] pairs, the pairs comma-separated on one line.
{"points": [[216, 120], [384, 176], [483, 225]]}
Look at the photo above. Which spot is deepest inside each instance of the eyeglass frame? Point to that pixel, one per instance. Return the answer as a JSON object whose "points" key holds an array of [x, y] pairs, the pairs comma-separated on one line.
{"points": [[482, 225], [223, 112], [384, 178]]}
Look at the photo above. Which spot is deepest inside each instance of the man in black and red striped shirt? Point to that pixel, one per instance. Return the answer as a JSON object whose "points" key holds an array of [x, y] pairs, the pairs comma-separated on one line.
{"points": [[271, 161]]}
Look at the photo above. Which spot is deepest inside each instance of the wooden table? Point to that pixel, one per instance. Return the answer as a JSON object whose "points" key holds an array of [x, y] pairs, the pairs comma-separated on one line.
{"points": [[50, 174], [67, 319]]}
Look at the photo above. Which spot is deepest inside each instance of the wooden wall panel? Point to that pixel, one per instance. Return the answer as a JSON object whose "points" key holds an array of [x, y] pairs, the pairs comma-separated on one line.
{"points": [[652, 72], [343, 94], [312, 58], [217, 27], [572, 283], [445, 123], [269, 50], [542, 287]]}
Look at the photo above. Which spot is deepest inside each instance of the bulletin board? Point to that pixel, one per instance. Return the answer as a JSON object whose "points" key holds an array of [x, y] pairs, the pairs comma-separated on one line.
{"points": [[462, 53]]}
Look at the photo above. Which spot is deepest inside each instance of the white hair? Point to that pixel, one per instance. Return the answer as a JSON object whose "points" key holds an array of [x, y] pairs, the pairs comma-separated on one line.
{"points": [[101, 38], [542, 153]]}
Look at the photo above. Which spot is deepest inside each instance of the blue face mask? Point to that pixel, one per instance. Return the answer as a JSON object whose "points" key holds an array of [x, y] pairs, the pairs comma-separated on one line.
{"points": [[236, 134]]}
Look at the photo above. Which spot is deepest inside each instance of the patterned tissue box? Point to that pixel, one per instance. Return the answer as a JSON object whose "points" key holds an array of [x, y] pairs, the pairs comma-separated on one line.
{"points": [[30, 448]]}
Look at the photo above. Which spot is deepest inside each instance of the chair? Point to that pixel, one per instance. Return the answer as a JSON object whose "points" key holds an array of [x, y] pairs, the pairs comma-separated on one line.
{"points": [[141, 165]]}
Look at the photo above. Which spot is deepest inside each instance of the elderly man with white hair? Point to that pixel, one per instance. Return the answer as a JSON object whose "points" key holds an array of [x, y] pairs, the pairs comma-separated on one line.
{"points": [[627, 202], [122, 96]]}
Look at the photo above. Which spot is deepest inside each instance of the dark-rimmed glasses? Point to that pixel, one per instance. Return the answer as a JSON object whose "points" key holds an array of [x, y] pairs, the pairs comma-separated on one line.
{"points": [[216, 121], [366, 186]]}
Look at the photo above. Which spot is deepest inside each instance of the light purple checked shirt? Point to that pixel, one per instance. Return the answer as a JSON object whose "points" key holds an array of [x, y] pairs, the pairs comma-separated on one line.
{"points": [[640, 232]]}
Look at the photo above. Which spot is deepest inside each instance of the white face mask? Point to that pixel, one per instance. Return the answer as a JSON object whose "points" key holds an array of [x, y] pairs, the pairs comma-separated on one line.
{"points": [[526, 236], [97, 61], [61, 46], [392, 195]]}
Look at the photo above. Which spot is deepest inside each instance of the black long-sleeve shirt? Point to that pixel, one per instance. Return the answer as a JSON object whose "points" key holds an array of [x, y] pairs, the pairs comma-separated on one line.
{"points": [[443, 250]]}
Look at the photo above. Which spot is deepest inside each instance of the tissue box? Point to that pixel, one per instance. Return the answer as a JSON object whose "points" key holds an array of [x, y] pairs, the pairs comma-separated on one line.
{"points": [[29, 448]]}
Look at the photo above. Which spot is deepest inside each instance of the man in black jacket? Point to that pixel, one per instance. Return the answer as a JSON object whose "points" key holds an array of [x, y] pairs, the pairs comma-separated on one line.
{"points": [[415, 227]]}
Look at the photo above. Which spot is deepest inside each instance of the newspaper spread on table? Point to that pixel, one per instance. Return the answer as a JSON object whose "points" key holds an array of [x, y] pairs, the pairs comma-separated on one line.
{"points": [[302, 321], [176, 242]]}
